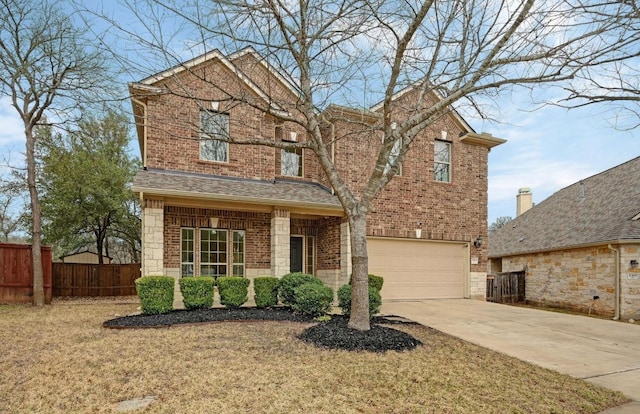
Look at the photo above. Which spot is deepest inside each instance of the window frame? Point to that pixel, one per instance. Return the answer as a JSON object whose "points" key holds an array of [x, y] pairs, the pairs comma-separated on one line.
{"points": [[214, 264], [299, 153], [192, 263], [233, 261], [208, 137], [235, 252], [438, 163]]}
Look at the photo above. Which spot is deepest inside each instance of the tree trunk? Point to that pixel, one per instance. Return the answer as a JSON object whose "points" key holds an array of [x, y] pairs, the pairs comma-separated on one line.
{"points": [[359, 318], [36, 250]]}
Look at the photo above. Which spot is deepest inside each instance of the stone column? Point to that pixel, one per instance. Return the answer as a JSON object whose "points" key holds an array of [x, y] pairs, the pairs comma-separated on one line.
{"points": [[153, 237], [280, 242], [345, 252]]}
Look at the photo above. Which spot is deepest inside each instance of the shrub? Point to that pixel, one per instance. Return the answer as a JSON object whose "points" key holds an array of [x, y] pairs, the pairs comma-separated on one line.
{"points": [[313, 299], [197, 292], [155, 293], [234, 291], [374, 282], [290, 282], [266, 291], [344, 300]]}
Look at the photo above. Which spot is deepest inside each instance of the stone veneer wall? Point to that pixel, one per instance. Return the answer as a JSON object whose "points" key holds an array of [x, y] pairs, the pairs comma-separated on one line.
{"points": [[478, 285], [571, 278]]}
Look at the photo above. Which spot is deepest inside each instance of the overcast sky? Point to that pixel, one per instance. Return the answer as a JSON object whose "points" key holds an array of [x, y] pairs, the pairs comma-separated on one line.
{"points": [[550, 149]]}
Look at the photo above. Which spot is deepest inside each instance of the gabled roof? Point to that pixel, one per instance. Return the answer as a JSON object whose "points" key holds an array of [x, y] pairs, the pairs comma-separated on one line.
{"points": [[458, 118], [239, 190], [269, 67], [600, 209], [152, 80]]}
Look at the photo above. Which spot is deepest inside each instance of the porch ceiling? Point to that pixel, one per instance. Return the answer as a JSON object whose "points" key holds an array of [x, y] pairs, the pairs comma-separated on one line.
{"points": [[280, 193]]}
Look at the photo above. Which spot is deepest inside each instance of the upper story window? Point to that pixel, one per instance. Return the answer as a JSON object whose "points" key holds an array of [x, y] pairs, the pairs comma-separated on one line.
{"points": [[442, 161], [214, 131], [290, 158], [291, 162]]}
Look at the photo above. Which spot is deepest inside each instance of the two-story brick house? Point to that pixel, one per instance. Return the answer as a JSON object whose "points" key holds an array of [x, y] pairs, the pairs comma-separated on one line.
{"points": [[215, 208]]}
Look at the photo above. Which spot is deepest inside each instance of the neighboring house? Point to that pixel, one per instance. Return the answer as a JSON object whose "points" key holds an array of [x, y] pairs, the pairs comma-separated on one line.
{"points": [[580, 247], [85, 257], [213, 208]]}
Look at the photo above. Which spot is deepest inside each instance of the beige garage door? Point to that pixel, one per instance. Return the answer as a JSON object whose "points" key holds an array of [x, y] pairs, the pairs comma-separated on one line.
{"points": [[415, 269]]}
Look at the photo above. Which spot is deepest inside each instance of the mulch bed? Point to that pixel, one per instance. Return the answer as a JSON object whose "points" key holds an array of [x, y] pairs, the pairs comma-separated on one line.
{"points": [[332, 334]]}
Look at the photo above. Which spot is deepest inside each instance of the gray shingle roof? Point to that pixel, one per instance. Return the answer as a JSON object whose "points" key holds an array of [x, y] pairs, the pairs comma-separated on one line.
{"points": [[279, 192], [597, 209]]}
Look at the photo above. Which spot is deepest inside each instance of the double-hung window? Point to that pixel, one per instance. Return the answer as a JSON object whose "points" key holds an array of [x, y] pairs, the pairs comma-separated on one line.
{"points": [[214, 135], [442, 161]]}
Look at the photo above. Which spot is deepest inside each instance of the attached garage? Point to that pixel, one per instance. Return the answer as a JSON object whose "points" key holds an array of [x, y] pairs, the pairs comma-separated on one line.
{"points": [[419, 269]]}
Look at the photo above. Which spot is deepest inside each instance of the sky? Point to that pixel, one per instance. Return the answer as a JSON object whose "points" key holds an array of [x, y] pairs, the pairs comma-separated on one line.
{"points": [[546, 150]]}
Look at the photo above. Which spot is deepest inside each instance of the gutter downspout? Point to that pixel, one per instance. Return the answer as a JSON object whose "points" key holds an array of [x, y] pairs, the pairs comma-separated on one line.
{"points": [[617, 275], [144, 130]]}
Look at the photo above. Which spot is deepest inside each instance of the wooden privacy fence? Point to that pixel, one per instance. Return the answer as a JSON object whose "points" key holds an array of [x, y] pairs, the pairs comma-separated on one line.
{"points": [[80, 279], [506, 287], [16, 273]]}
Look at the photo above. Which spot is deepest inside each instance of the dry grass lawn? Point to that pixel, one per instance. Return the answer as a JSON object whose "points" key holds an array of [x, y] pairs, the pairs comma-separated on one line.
{"points": [[59, 359]]}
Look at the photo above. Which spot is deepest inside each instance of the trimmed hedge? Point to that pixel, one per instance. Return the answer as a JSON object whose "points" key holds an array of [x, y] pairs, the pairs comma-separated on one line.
{"points": [[290, 282], [313, 299], [155, 293], [197, 292], [344, 300], [266, 291], [233, 290], [375, 282]]}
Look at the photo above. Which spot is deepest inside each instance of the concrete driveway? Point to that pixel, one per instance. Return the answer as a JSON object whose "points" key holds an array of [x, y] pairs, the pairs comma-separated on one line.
{"points": [[600, 351]]}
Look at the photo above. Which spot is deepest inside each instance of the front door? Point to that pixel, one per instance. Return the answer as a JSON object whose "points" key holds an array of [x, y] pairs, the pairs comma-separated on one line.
{"points": [[296, 254]]}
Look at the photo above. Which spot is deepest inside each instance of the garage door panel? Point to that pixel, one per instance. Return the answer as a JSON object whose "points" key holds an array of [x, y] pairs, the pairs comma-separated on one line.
{"points": [[418, 269]]}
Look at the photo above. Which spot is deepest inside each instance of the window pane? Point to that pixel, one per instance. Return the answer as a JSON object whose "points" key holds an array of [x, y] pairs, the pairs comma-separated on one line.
{"points": [[291, 162], [187, 252], [442, 161], [310, 250], [213, 252], [238, 253], [214, 130]]}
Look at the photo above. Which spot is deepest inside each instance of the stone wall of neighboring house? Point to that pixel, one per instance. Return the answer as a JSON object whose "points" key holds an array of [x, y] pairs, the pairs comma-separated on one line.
{"points": [[571, 278]]}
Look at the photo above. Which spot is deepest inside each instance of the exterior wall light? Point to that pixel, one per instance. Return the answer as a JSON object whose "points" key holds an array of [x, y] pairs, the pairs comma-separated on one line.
{"points": [[478, 242], [634, 264]]}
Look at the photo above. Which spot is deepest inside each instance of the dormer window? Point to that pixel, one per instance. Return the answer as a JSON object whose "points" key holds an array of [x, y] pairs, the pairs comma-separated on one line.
{"points": [[214, 134]]}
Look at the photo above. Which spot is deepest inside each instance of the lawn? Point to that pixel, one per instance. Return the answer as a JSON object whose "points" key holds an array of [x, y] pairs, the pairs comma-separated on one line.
{"points": [[59, 359]]}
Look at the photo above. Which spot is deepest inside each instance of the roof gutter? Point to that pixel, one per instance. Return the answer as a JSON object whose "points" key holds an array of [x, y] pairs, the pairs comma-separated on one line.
{"points": [[617, 276]]}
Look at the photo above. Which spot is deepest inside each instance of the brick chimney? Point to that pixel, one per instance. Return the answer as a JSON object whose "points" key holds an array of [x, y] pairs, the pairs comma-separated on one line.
{"points": [[524, 200]]}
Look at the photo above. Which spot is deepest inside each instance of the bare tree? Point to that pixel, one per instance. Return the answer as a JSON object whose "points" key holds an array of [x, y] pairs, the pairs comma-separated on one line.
{"points": [[499, 223], [357, 53], [612, 79], [45, 69], [10, 216]]}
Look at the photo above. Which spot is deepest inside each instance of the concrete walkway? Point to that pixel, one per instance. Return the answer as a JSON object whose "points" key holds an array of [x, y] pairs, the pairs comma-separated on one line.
{"points": [[603, 352]]}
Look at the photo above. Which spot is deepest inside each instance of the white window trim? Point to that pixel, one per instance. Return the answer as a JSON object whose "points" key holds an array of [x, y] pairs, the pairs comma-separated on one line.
{"points": [[448, 164], [204, 137]]}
